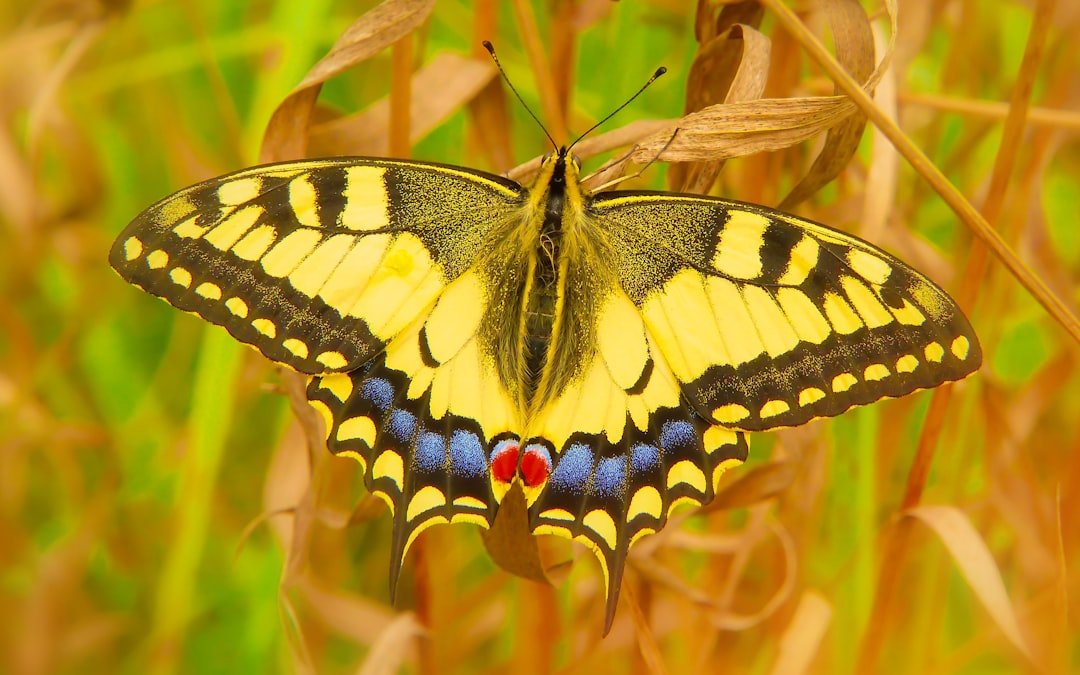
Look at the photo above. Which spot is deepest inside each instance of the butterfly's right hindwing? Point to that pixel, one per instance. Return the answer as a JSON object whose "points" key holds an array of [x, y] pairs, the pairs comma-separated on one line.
{"points": [[318, 264]]}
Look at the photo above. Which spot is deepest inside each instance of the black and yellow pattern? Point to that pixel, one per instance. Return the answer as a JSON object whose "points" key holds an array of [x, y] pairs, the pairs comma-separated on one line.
{"points": [[606, 352]]}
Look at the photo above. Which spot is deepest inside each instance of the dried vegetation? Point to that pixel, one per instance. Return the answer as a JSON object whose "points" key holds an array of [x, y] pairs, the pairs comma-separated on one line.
{"points": [[165, 501]]}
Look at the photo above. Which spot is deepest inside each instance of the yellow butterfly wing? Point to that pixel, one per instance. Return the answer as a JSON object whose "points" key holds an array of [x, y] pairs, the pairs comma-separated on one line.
{"points": [[362, 273], [693, 320], [320, 263], [769, 320]]}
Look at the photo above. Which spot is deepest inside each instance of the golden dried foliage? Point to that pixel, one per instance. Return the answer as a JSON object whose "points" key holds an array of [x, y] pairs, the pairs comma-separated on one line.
{"points": [[166, 504]]}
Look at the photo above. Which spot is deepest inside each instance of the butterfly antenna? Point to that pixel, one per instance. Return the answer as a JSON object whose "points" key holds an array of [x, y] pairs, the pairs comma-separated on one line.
{"points": [[659, 71], [491, 50]]}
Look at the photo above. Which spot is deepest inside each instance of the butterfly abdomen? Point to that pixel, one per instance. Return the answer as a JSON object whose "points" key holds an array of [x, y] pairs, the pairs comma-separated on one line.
{"points": [[541, 302]]}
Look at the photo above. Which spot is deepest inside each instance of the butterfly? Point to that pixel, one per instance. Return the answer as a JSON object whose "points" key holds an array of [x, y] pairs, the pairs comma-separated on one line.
{"points": [[606, 354]]}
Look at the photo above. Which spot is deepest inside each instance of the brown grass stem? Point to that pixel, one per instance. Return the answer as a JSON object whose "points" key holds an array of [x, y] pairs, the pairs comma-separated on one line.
{"points": [[545, 82], [401, 55], [1063, 120]]}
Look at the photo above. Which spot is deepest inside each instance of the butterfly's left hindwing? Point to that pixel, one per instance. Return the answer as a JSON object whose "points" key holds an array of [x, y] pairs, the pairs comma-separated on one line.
{"points": [[320, 263]]}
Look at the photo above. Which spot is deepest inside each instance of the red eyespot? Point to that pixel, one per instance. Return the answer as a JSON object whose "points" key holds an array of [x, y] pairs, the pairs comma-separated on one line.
{"points": [[535, 465], [504, 461]]}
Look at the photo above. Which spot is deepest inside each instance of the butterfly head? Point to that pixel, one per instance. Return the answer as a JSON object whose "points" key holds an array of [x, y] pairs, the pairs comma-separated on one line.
{"points": [[559, 170], [560, 162]]}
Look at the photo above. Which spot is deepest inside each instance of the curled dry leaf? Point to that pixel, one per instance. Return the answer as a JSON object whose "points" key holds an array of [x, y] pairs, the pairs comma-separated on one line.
{"points": [[737, 63], [729, 130], [855, 50], [719, 615], [708, 23], [726, 68], [735, 129], [440, 88], [725, 619], [286, 133], [973, 558]]}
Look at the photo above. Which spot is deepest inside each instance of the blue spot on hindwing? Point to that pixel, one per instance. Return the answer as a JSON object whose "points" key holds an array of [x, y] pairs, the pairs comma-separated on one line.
{"points": [[402, 424], [379, 391], [466, 455], [430, 452], [610, 477], [572, 472], [644, 458], [676, 435]]}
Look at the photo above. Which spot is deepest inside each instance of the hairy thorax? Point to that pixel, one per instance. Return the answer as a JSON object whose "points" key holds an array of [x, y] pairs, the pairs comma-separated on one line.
{"points": [[544, 340]]}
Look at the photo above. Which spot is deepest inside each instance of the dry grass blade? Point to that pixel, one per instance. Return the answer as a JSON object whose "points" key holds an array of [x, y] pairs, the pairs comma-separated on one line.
{"points": [[440, 88], [855, 50], [1064, 120], [975, 562], [646, 641], [359, 619], [286, 133], [391, 648], [803, 635]]}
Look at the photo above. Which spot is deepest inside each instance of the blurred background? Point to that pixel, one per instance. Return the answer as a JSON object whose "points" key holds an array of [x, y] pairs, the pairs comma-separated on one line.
{"points": [[164, 508]]}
